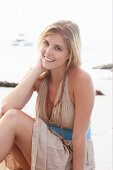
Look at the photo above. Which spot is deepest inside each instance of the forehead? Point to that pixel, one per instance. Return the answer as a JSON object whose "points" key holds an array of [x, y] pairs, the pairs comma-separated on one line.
{"points": [[55, 38]]}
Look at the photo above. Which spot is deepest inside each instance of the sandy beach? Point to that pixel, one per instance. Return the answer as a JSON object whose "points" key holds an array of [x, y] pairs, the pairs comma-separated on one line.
{"points": [[101, 123]]}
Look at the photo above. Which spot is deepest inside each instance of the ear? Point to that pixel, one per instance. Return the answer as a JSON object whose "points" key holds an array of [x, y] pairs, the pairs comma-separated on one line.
{"points": [[68, 57]]}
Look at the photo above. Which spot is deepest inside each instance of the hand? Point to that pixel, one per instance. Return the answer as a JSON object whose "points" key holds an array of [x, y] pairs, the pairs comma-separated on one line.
{"points": [[39, 64]]}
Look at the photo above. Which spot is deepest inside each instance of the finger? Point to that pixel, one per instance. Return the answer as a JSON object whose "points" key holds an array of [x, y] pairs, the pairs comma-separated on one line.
{"points": [[1, 114]]}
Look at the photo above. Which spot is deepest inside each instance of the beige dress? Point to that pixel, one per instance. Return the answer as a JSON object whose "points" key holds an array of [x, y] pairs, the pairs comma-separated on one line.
{"points": [[48, 151]]}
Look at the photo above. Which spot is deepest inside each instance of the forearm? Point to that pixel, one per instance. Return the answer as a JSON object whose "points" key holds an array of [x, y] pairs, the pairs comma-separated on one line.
{"points": [[21, 94], [79, 155]]}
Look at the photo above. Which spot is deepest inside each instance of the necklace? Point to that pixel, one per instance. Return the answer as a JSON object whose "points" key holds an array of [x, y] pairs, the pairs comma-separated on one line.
{"points": [[50, 105]]}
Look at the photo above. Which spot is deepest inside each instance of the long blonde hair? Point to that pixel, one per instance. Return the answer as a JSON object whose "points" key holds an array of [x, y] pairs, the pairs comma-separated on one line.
{"points": [[71, 34]]}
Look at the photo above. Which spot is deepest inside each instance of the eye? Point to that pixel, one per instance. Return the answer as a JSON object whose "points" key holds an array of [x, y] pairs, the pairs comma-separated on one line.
{"points": [[45, 42], [58, 48]]}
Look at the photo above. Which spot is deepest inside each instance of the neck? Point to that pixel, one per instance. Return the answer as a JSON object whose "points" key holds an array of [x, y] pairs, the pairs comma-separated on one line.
{"points": [[56, 75]]}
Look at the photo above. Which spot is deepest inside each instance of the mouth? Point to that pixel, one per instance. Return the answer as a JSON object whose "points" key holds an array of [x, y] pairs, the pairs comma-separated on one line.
{"points": [[49, 59]]}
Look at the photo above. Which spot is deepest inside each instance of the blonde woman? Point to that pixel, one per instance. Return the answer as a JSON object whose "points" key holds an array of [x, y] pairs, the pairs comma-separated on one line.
{"points": [[59, 137]]}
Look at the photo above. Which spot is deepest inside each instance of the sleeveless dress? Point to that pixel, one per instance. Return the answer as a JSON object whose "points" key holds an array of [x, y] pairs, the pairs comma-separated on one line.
{"points": [[48, 151]]}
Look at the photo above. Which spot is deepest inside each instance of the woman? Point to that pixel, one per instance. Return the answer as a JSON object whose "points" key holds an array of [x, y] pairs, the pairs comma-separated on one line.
{"points": [[60, 135]]}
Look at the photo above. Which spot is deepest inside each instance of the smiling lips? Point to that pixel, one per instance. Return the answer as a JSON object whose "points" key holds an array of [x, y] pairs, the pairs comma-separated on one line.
{"points": [[49, 59]]}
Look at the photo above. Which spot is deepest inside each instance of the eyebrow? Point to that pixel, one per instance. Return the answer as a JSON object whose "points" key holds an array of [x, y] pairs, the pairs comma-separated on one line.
{"points": [[59, 46], [55, 44]]}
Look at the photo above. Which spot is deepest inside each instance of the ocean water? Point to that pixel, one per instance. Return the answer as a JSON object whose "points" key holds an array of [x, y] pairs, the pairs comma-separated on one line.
{"points": [[25, 20], [16, 60]]}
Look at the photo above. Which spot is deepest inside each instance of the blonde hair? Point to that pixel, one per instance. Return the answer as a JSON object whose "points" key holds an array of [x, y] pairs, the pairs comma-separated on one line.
{"points": [[71, 34]]}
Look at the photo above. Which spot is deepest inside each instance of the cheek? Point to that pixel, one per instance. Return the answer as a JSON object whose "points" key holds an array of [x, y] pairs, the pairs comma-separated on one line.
{"points": [[61, 61], [41, 49], [62, 57]]}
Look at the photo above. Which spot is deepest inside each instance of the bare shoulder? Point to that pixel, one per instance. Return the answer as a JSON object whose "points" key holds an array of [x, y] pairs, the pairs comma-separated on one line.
{"points": [[79, 78]]}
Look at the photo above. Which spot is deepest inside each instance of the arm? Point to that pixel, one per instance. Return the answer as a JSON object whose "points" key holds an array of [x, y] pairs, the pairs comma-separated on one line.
{"points": [[21, 94], [84, 101]]}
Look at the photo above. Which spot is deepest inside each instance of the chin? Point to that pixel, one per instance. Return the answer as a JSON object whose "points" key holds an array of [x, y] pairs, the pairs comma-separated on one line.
{"points": [[47, 67], [50, 66]]}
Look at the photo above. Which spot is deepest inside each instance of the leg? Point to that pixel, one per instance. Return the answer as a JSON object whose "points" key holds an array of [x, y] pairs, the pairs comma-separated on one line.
{"points": [[19, 157], [16, 126]]}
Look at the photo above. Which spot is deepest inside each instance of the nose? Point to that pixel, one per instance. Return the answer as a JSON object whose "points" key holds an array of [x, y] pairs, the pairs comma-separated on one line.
{"points": [[49, 51]]}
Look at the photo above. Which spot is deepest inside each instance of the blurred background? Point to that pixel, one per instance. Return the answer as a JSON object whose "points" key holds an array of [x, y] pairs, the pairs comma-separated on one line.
{"points": [[22, 21]]}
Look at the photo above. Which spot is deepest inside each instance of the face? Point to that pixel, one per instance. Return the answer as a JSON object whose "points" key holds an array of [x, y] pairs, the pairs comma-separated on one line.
{"points": [[54, 52]]}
